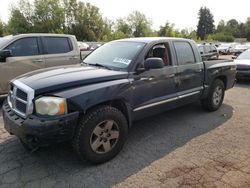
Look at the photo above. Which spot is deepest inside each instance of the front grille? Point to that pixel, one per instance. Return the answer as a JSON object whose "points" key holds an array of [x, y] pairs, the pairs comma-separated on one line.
{"points": [[21, 106], [20, 98], [21, 94]]}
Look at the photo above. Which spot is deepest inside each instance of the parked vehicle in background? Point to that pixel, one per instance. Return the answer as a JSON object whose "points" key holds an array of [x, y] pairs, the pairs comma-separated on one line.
{"points": [[208, 51], [23, 53], [94, 104], [240, 48], [226, 48], [217, 44], [243, 65], [83, 46], [94, 45]]}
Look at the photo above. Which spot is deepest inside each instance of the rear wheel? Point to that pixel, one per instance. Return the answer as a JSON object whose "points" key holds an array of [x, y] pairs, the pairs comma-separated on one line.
{"points": [[215, 96], [101, 134]]}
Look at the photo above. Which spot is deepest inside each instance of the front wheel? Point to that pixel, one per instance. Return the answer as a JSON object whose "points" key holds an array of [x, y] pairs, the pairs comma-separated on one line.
{"points": [[101, 134], [215, 96]]}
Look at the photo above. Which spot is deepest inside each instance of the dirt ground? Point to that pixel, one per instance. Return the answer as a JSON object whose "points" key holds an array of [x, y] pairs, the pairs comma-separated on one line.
{"points": [[219, 158]]}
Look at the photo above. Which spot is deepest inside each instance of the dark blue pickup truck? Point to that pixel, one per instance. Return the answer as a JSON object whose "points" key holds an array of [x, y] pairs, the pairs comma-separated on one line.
{"points": [[95, 103]]}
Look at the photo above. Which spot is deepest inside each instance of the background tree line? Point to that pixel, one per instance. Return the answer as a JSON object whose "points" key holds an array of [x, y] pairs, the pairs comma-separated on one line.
{"points": [[87, 23], [225, 31]]}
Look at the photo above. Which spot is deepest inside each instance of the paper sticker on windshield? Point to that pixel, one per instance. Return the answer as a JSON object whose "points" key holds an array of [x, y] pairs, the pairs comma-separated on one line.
{"points": [[121, 60]]}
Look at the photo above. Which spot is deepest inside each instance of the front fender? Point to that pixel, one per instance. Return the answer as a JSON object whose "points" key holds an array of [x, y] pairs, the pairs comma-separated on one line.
{"points": [[85, 97]]}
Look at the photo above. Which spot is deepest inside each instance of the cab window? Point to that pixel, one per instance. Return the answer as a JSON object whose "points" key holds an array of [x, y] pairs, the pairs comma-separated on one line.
{"points": [[184, 53], [161, 51], [24, 47], [57, 45]]}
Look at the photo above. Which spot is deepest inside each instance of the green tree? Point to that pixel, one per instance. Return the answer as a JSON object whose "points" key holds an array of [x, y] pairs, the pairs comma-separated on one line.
{"points": [[223, 37], [49, 16], [1, 28], [247, 28], [233, 27], [140, 24], [193, 35], [221, 26], [205, 24], [26, 8], [89, 24], [122, 26], [167, 30], [70, 11], [242, 30], [114, 36], [18, 23]]}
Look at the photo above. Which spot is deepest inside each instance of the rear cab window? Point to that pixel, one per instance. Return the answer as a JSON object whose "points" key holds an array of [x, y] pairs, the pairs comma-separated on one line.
{"points": [[184, 53], [57, 45]]}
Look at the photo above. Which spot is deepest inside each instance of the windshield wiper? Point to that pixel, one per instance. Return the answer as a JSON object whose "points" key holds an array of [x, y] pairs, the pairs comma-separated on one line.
{"points": [[82, 62], [100, 65]]}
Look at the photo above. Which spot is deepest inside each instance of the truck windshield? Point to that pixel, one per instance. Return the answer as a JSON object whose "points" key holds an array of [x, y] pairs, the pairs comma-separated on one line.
{"points": [[115, 55], [4, 40]]}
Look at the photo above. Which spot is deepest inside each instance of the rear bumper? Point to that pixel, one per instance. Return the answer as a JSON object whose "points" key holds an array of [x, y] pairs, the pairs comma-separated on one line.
{"points": [[37, 131]]}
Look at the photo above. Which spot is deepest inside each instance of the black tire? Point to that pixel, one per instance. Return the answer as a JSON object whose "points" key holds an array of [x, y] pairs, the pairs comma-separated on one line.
{"points": [[28, 147], [213, 103], [98, 119]]}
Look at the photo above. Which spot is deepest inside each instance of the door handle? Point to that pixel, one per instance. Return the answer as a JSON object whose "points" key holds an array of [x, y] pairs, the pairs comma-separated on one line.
{"points": [[147, 78], [73, 58], [170, 75], [37, 61], [151, 78], [143, 79]]}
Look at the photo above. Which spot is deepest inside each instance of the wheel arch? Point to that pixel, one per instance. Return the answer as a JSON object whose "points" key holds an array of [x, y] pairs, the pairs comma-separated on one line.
{"points": [[120, 104], [223, 78]]}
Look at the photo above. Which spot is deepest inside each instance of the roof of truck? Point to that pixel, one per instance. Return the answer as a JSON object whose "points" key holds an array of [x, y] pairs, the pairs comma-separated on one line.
{"points": [[42, 34], [151, 39]]}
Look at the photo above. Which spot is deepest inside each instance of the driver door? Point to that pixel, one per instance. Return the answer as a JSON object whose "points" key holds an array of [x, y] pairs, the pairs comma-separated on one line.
{"points": [[26, 57], [155, 89]]}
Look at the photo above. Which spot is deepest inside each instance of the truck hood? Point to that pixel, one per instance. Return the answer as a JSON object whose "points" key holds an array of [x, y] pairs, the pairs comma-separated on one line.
{"points": [[59, 78]]}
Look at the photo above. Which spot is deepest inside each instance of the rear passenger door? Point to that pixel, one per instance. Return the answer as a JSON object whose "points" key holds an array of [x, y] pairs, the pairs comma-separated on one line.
{"points": [[190, 72], [59, 51]]}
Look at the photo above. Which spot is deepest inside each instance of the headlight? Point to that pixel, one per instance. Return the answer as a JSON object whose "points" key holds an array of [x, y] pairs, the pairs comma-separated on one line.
{"points": [[51, 106]]}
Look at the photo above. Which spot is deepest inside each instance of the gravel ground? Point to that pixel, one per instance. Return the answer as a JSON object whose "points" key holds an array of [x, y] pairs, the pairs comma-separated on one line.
{"points": [[218, 158]]}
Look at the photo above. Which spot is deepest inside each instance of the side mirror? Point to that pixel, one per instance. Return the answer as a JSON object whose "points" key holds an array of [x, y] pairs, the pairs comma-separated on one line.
{"points": [[234, 57], [5, 54], [153, 63]]}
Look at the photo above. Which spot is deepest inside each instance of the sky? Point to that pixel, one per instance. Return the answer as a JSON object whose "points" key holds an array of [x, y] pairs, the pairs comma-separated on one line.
{"points": [[182, 13]]}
